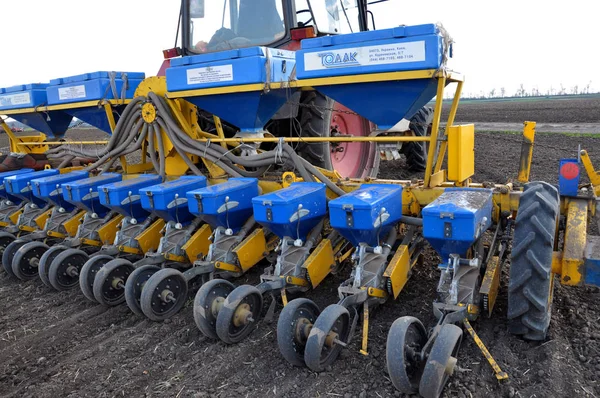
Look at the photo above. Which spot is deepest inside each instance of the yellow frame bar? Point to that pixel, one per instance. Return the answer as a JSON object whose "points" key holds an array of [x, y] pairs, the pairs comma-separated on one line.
{"points": [[75, 105]]}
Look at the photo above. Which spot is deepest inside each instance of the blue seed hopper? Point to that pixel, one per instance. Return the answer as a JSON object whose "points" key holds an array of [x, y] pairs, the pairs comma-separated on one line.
{"points": [[20, 185], [367, 214], [401, 49], [456, 219], [124, 196], [84, 193], [227, 205], [248, 110], [26, 98], [169, 201], [294, 211], [50, 188], [3, 175]]}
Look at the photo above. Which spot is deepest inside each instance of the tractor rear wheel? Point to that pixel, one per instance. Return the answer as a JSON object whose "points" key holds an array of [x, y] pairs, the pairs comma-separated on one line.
{"points": [[531, 280], [416, 152], [320, 116]]}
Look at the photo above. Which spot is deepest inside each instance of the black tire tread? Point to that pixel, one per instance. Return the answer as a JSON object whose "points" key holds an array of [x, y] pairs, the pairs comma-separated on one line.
{"points": [[416, 152], [530, 284], [315, 121]]}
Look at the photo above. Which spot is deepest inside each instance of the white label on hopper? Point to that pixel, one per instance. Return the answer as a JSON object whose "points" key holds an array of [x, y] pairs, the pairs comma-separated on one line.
{"points": [[211, 74], [15, 99], [75, 92], [383, 54]]}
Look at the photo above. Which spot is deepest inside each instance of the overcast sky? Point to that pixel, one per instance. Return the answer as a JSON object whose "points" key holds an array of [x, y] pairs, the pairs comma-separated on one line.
{"points": [[498, 43]]}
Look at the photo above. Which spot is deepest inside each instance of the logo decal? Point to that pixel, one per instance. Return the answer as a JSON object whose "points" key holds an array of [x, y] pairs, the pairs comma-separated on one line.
{"points": [[333, 60]]}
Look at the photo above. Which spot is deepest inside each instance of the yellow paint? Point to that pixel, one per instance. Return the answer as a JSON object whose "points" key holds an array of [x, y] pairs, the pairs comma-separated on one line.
{"points": [[223, 266], [438, 178], [61, 107], [365, 334], [72, 224], [26, 228], [148, 112], [108, 231], [320, 262], [90, 242], [375, 292], [500, 375], [461, 152], [398, 269], [55, 234], [593, 175], [295, 281], [435, 127], [198, 243], [177, 259], [149, 238], [284, 297], [3, 224], [14, 218], [526, 152], [575, 241], [252, 249], [41, 219], [491, 283]]}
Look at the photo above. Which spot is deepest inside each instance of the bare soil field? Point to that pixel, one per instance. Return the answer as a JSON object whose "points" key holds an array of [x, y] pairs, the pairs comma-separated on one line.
{"points": [[59, 344]]}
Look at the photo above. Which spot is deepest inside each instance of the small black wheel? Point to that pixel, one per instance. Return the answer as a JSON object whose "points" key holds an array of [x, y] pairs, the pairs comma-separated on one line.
{"points": [[65, 269], [9, 253], [5, 240], [207, 304], [26, 260], [88, 272], [441, 361], [109, 283], [293, 328], [164, 294], [241, 310], [45, 261], [135, 284], [331, 327], [405, 341]]}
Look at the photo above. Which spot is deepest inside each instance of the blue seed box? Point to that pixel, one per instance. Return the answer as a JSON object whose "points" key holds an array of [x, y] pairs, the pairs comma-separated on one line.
{"points": [[3, 175], [456, 219], [229, 68], [20, 185], [92, 86], [292, 212], [124, 196], [227, 205], [23, 96], [169, 200], [50, 188], [569, 174], [403, 48], [84, 193], [367, 214]]}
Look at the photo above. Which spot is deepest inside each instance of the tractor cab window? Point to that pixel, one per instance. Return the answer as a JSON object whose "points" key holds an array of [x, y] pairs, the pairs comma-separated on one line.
{"points": [[219, 25], [329, 16]]}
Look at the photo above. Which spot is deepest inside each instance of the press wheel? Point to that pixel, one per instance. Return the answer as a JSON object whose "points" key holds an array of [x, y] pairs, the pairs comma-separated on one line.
{"points": [[405, 341], [26, 260], [88, 274], [65, 269], [207, 304], [135, 284], [293, 327], [323, 346], [45, 261], [241, 310], [9, 253], [164, 294], [109, 283], [441, 361]]}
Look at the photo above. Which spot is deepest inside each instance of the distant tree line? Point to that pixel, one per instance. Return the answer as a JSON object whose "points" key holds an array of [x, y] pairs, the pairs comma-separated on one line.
{"points": [[522, 91]]}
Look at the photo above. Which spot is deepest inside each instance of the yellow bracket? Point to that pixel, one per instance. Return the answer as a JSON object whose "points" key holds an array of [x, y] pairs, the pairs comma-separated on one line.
{"points": [[198, 243], [292, 280], [365, 336], [284, 297], [72, 224], [90, 242], [593, 175], [575, 241], [55, 234], [491, 283], [375, 292], [149, 238], [320, 262], [108, 231], [526, 152], [500, 374], [177, 259], [398, 269], [252, 249], [14, 218], [41, 219], [26, 228], [223, 266]]}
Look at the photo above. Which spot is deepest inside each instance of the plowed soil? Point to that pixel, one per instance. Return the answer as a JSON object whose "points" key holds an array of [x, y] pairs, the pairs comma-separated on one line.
{"points": [[59, 344]]}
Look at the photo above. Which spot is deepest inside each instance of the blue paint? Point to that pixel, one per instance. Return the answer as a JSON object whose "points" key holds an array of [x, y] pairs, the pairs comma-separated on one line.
{"points": [[50, 188], [21, 186], [168, 200], [84, 193], [116, 195], [3, 193]]}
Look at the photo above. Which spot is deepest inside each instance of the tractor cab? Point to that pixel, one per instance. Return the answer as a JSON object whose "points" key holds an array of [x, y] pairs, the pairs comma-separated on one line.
{"points": [[211, 26]]}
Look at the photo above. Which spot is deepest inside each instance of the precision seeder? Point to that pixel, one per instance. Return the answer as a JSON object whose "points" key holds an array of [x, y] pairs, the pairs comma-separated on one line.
{"points": [[242, 155]]}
